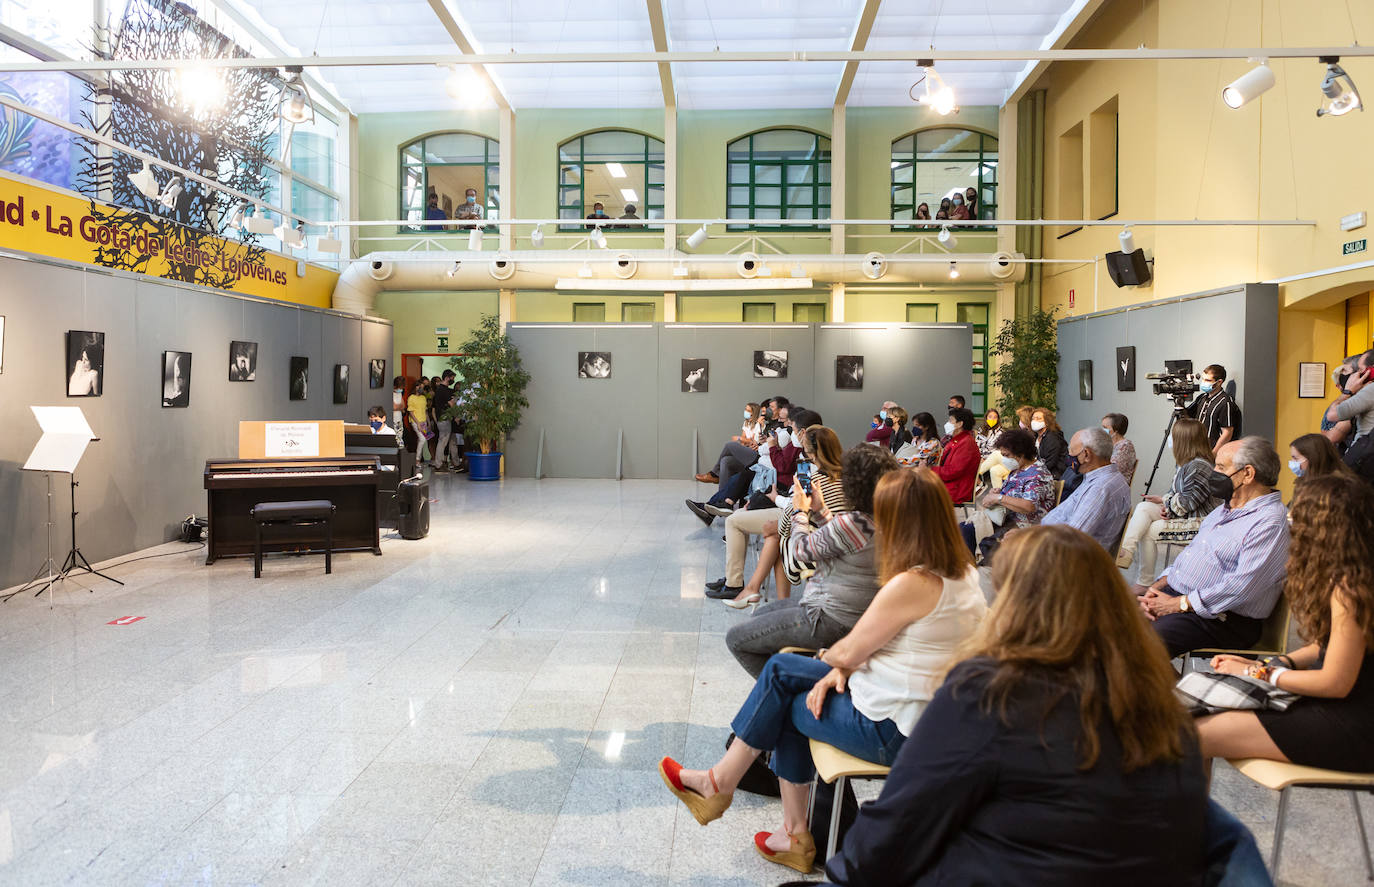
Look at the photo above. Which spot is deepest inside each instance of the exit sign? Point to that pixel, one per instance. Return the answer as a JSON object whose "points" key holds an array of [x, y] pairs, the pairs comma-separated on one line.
{"points": [[1352, 247]]}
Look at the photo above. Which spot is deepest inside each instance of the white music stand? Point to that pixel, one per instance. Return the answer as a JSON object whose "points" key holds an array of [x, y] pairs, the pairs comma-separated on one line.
{"points": [[66, 434]]}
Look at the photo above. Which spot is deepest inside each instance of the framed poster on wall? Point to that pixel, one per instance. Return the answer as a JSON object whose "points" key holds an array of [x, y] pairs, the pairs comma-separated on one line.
{"points": [[1125, 368], [1311, 379], [1085, 380]]}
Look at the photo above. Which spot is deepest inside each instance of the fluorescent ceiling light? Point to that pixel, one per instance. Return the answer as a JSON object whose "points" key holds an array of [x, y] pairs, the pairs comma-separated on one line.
{"points": [[629, 195], [680, 285], [617, 171], [1249, 85]]}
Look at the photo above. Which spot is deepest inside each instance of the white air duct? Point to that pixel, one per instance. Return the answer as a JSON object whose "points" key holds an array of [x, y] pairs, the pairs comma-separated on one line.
{"points": [[501, 267], [362, 279], [875, 266], [748, 266]]}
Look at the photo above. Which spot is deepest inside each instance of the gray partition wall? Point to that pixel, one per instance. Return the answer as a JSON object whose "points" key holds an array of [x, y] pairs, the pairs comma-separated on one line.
{"points": [[916, 365], [1235, 327], [145, 474]]}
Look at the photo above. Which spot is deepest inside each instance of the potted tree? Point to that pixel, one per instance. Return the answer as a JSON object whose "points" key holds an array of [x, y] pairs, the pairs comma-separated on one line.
{"points": [[1029, 370], [490, 395]]}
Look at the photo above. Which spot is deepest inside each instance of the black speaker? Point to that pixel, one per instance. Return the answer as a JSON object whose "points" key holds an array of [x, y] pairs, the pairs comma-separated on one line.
{"points": [[412, 497], [1128, 269]]}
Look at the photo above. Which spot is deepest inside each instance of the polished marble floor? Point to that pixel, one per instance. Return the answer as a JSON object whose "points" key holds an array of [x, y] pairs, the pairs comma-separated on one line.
{"points": [[484, 706]]}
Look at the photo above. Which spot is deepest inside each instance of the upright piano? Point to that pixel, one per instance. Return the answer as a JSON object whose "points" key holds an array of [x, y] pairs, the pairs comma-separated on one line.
{"points": [[234, 486]]}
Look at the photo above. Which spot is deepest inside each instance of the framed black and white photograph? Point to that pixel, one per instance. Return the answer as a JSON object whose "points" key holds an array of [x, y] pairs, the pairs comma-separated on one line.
{"points": [[696, 375], [176, 378], [341, 383], [376, 373], [849, 372], [1125, 368], [243, 361], [300, 378], [1085, 380], [770, 364], [85, 363], [593, 364]]}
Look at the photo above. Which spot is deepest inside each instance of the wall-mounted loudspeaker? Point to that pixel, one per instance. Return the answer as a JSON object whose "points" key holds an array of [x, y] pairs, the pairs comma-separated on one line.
{"points": [[1128, 269]]}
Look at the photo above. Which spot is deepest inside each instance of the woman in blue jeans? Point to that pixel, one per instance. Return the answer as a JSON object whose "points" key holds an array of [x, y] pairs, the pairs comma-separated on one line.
{"points": [[864, 694]]}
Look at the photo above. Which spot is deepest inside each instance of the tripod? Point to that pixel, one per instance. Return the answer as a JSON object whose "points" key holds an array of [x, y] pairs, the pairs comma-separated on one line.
{"points": [[1178, 413], [48, 565], [75, 560]]}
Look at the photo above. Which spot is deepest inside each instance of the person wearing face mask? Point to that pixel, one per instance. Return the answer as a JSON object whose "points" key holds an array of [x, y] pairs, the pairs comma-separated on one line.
{"points": [[1227, 581], [469, 208], [1180, 510], [923, 211], [954, 402], [958, 210], [1102, 502], [749, 431], [958, 464], [1049, 441], [987, 431], [971, 201], [924, 448], [1027, 494], [1356, 402], [900, 436], [1313, 455], [1123, 451], [881, 433], [1215, 409], [376, 417], [398, 406]]}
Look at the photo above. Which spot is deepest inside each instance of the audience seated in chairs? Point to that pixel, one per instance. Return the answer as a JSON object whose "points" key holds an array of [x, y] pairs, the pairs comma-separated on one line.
{"points": [[1055, 754], [1180, 510], [900, 435], [987, 430], [735, 476], [864, 694], [1027, 494], [1023, 417], [1123, 451], [846, 575], [1330, 588], [1102, 502], [924, 447], [1049, 441], [822, 449], [1225, 583], [958, 463]]}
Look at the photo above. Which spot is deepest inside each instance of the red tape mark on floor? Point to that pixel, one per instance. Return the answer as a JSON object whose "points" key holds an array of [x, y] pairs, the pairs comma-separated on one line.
{"points": [[126, 620]]}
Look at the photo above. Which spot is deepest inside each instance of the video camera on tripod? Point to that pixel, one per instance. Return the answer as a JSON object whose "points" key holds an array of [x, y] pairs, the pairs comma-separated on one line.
{"points": [[1178, 382]]}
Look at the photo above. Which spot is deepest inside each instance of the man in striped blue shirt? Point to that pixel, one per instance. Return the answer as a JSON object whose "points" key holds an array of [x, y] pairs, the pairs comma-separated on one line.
{"points": [[1101, 504], [1227, 581]]}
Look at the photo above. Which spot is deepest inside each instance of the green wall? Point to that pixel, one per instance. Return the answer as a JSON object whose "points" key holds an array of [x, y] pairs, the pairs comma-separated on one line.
{"points": [[545, 306], [874, 305], [415, 315]]}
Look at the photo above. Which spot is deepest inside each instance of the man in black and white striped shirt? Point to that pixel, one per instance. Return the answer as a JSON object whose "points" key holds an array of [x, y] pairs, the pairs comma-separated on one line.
{"points": [[1215, 409]]}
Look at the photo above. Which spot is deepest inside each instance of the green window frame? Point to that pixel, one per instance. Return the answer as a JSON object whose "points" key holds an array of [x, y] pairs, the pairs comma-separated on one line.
{"points": [[780, 173], [591, 148], [636, 312], [759, 312], [922, 312], [920, 157], [979, 314], [589, 312], [808, 312], [420, 156]]}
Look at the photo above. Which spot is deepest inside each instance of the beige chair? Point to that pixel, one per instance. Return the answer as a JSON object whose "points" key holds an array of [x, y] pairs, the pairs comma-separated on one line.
{"points": [[833, 765], [1280, 777], [1273, 638], [803, 651], [1058, 492]]}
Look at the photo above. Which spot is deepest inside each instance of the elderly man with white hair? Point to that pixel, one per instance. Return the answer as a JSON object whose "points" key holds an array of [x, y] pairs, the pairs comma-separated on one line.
{"points": [[1101, 504]]}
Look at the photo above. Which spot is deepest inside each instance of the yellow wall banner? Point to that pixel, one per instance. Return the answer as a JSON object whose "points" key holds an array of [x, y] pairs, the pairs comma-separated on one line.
{"points": [[60, 225]]}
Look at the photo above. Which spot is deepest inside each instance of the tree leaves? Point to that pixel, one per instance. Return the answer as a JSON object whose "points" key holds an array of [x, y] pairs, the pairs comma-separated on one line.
{"points": [[1029, 371], [493, 383]]}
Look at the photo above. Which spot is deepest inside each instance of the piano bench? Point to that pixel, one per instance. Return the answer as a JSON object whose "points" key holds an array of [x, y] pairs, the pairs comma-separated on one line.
{"points": [[308, 513]]}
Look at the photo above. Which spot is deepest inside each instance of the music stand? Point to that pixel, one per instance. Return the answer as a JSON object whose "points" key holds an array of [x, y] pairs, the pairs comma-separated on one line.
{"points": [[66, 434]]}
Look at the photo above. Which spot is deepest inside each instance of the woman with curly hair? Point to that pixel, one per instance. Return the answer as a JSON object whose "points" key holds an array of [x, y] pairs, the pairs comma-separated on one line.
{"points": [[1330, 591]]}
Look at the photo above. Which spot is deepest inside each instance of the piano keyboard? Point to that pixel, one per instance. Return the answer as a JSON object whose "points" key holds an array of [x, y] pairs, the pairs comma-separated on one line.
{"points": [[277, 475]]}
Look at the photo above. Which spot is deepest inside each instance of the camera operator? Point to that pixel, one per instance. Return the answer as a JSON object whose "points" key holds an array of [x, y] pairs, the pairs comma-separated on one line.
{"points": [[1216, 409]]}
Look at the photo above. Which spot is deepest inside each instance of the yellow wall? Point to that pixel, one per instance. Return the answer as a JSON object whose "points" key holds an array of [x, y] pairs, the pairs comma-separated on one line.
{"points": [[1304, 336]]}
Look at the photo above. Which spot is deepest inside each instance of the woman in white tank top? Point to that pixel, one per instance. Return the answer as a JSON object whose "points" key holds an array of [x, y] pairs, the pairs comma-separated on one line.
{"points": [[863, 695]]}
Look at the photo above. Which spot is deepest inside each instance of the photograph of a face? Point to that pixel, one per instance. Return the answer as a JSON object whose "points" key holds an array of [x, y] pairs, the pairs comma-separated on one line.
{"points": [[1085, 380], [176, 378], [376, 373], [770, 364], [341, 383], [300, 378], [85, 363], [243, 361], [696, 375], [849, 372], [593, 364]]}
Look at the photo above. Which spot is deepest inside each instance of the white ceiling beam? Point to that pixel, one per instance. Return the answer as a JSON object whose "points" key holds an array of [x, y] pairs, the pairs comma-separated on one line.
{"points": [[463, 41], [660, 34], [863, 26], [677, 56], [1074, 19]]}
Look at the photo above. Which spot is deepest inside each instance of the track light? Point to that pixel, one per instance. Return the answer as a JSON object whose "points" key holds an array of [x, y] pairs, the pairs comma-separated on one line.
{"points": [[764, 270], [798, 270], [145, 181], [938, 95], [1127, 240], [236, 220], [288, 235], [679, 270], [953, 270], [947, 237], [697, 237], [1250, 85], [475, 240], [537, 236], [296, 106], [329, 243], [457, 265], [1339, 90], [599, 238], [585, 270], [259, 222], [169, 195]]}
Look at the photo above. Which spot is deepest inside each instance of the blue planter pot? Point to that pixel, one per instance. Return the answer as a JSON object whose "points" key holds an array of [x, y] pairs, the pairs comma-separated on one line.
{"points": [[484, 466]]}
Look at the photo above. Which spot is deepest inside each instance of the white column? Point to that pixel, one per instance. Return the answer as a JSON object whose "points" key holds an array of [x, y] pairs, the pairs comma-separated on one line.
{"points": [[837, 181], [837, 303], [669, 175], [505, 307], [507, 176], [670, 307]]}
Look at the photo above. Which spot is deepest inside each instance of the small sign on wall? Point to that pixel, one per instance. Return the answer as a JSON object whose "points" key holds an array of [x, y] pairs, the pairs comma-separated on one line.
{"points": [[442, 344], [1350, 247], [1070, 300], [1311, 379]]}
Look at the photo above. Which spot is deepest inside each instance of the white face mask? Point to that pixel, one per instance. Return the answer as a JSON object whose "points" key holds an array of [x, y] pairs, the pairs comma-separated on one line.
{"points": [[882, 414], [1295, 466], [747, 417], [949, 428], [783, 437], [1037, 425], [1010, 464], [1108, 430]]}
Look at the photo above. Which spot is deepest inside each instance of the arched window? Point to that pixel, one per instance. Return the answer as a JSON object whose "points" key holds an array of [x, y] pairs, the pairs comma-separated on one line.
{"points": [[444, 166], [933, 164], [778, 174], [616, 168]]}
